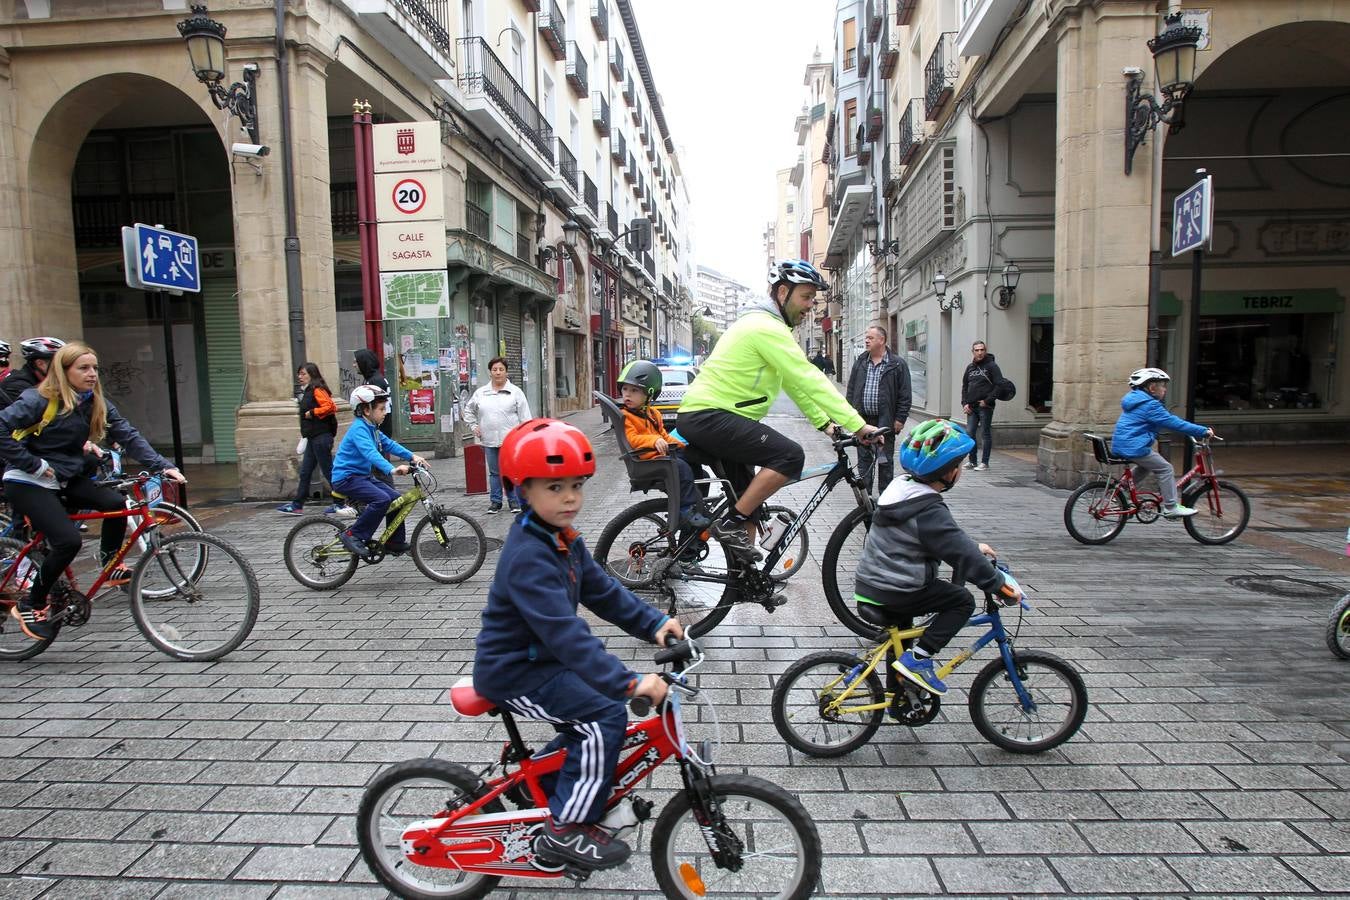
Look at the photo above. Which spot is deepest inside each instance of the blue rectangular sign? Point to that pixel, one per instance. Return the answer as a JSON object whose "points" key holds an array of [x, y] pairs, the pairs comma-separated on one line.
{"points": [[1193, 216], [167, 260]]}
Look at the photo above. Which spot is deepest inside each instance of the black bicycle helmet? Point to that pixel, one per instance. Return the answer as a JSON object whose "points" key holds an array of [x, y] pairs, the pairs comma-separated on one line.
{"points": [[642, 374], [41, 347]]}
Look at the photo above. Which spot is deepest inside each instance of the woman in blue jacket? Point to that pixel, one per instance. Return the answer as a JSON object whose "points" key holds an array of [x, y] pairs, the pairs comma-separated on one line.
{"points": [[1144, 416]]}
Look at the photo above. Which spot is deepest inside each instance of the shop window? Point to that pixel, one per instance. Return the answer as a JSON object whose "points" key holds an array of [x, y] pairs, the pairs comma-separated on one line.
{"points": [[1041, 368], [1264, 361], [916, 355]]}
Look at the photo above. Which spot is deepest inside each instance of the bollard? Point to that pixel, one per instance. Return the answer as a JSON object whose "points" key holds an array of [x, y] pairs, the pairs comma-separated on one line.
{"points": [[475, 469]]}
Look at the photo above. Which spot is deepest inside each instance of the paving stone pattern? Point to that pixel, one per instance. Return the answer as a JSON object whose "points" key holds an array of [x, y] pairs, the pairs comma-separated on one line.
{"points": [[1213, 760]]}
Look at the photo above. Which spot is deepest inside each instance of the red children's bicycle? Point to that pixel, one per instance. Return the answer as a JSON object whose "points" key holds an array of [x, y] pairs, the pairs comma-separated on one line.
{"points": [[1098, 511], [433, 829]]}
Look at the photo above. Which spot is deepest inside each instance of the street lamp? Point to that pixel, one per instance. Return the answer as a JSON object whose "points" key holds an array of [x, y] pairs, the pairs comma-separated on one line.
{"points": [[1174, 64], [1011, 275], [940, 288], [878, 248], [566, 247], [205, 38]]}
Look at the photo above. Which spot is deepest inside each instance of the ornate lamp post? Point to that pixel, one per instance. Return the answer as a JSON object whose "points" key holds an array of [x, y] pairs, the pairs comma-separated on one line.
{"points": [[205, 39]]}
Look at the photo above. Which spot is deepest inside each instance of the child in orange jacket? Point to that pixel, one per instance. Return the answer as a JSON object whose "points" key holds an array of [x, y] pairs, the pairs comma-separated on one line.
{"points": [[639, 385]]}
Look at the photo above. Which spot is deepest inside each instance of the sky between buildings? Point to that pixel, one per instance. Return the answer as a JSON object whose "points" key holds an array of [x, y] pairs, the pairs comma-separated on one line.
{"points": [[730, 77]]}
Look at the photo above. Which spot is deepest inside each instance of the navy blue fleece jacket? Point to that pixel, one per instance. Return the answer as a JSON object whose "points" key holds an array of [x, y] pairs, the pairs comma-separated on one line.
{"points": [[531, 630]]}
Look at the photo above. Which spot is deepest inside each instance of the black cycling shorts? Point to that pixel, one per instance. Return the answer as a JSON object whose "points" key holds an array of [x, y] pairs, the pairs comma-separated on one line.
{"points": [[741, 444]]}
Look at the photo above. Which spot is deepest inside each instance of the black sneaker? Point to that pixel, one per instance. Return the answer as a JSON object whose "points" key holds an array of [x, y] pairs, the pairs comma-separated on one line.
{"points": [[734, 539], [494, 508], [584, 846], [354, 545], [36, 623]]}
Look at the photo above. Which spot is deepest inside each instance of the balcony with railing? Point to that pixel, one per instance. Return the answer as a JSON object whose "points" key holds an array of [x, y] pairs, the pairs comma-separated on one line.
{"points": [[864, 60], [864, 151], [616, 58], [600, 113], [591, 194], [649, 141], [600, 19], [612, 220], [578, 75], [628, 91], [939, 75], [888, 49], [553, 27], [420, 32], [904, 11], [635, 107], [531, 5], [649, 263], [876, 117], [618, 144], [911, 133], [482, 77], [477, 221], [567, 167], [666, 287], [630, 171], [432, 17], [876, 14]]}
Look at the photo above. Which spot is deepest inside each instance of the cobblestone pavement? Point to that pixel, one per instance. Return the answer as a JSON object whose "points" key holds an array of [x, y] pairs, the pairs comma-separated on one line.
{"points": [[1213, 760]]}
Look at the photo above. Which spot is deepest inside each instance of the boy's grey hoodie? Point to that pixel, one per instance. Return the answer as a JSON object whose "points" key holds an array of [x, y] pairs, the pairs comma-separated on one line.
{"points": [[912, 531]]}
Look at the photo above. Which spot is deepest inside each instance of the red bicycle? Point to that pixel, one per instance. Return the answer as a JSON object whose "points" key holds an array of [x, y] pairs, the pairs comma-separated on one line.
{"points": [[1098, 511], [433, 829]]}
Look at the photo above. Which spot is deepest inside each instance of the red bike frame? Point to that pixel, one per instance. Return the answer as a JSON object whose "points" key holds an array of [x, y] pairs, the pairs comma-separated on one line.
{"points": [[1202, 469], [502, 843]]}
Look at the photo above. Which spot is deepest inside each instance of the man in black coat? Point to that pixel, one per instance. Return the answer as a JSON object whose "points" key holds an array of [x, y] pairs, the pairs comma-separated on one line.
{"points": [[978, 386], [879, 389], [37, 357]]}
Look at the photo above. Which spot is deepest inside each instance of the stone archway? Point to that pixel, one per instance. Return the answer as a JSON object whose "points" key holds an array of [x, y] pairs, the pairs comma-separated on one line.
{"points": [[53, 277]]}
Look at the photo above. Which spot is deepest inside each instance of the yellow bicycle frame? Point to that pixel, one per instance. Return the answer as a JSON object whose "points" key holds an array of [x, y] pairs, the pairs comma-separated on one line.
{"points": [[896, 639]]}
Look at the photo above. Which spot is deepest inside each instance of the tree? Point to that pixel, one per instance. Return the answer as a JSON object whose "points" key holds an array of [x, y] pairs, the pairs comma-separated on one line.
{"points": [[705, 335]]}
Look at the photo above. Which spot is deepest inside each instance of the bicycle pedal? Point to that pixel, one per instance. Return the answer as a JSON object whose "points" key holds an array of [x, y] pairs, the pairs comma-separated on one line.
{"points": [[576, 873]]}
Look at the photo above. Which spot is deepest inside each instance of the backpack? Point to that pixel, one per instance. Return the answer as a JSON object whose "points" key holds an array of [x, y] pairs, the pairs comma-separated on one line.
{"points": [[1005, 390]]}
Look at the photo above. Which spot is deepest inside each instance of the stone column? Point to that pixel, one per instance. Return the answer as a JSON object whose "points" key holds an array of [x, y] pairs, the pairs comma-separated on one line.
{"points": [[15, 316], [1101, 228], [267, 427]]}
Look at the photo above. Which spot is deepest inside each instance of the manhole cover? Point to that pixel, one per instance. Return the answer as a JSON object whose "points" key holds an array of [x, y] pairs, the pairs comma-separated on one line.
{"points": [[1284, 586], [494, 544]]}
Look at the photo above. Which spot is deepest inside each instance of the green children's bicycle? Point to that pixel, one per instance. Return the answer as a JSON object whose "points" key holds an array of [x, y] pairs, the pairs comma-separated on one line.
{"points": [[446, 545]]}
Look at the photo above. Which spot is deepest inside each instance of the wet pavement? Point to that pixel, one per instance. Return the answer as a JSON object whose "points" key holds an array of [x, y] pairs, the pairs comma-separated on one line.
{"points": [[1215, 759]]}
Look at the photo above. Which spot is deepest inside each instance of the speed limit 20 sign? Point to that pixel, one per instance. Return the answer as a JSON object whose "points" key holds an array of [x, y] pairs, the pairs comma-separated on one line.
{"points": [[409, 197]]}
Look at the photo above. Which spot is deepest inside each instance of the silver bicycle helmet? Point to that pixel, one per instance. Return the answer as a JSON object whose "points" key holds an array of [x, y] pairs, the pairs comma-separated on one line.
{"points": [[1141, 377]]}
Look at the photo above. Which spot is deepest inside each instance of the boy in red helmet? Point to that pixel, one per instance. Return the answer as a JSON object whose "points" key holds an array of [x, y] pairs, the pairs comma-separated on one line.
{"points": [[538, 658]]}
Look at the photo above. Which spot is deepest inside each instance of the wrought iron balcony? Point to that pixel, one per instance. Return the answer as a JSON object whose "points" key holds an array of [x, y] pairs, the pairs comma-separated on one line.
{"points": [[864, 152], [666, 287], [876, 118], [864, 60], [649, 141], [477, 221], [649, 263], [618, 144], [616, 58], [628, 92], [911, 134], [553, 27], [432, 17], [904, 11], [600, 113], [889, 50], [531, 5], [481, 74], [577, 71], [630, 172], [939, 76], [567, 165], [591, 195], [876, 14], [600, 19], [612, 220], [635, 107]]}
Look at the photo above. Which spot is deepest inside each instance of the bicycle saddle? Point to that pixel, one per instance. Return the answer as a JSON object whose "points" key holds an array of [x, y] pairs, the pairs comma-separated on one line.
{"points": [[467, 701], [882, 617]]}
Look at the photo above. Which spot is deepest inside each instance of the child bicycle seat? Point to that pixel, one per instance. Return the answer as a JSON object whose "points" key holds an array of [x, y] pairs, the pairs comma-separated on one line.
{"points": [[467, 701]]}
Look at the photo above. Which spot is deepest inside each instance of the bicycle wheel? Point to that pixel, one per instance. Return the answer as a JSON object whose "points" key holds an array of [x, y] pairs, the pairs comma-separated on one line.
{"points": [[1056, 689], [842, 553], [192, 620], [1338, 629], [1221, 514], [807, 687], [634, 548], [1095, 513], [314, 555], [779, 847], [795, 556], [448, 546], [169, 519], [14, 644], [409, 792]]}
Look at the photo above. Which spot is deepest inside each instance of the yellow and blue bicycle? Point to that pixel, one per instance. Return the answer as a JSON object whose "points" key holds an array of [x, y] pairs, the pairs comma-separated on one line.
{"points": [[831, 703]]}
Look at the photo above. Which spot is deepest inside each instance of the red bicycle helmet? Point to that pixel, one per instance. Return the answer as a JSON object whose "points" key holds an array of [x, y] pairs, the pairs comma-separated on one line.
{"points": [[545, 448]]}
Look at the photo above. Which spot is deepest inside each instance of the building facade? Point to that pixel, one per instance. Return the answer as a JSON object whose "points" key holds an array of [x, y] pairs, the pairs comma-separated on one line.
{"points": [[723, 295], [547, 119]]}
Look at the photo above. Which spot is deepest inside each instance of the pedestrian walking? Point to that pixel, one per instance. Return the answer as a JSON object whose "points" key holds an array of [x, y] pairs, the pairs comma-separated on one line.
{"points": [[492, 411], [879, 389], [978, 385], [318, 428]]}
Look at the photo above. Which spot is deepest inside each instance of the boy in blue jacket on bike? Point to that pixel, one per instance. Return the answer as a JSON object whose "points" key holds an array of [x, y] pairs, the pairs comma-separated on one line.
{"points": [[363, 451], [538, 658], [1136, 430]]}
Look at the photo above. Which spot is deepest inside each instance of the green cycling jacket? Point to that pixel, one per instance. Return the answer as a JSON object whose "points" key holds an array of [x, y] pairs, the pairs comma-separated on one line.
{"points": [[752, 362]]}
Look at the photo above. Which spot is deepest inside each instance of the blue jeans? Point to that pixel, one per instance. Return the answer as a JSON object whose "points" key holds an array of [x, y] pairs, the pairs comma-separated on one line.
{"points": [[591, 727], [979, 424], [377, 496], [495, 478], [318, 452]]}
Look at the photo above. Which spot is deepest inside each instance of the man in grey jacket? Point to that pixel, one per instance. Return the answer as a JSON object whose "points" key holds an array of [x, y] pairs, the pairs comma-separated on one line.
{"points": [[878, 388]]}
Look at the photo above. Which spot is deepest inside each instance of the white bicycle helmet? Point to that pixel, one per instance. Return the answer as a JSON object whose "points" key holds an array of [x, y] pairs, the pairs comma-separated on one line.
{"points": [[796, 271], [1141, 377], [367, 393], [41, 347]]}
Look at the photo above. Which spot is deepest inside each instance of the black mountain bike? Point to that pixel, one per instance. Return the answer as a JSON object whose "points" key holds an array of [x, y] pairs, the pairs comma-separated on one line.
{"points": [[689, 575]]}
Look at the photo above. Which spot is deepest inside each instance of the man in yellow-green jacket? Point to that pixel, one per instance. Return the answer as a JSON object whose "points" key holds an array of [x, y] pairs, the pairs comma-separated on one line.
{"points": [[755, 359]]}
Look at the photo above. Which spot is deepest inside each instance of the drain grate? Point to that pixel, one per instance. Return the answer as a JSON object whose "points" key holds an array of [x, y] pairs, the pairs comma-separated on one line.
{"points": [[1284, 586]]}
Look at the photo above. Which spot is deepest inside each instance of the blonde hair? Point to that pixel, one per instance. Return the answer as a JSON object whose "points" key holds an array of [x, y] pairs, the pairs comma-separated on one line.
{"points": [[57, 384]]}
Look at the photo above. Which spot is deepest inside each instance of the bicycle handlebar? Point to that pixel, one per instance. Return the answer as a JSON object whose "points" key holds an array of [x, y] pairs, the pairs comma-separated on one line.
{"points": [[844, 443], [676, 651]]}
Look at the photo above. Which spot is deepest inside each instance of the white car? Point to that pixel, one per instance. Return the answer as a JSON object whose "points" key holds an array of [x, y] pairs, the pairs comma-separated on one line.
{"points": [[675, 380]]}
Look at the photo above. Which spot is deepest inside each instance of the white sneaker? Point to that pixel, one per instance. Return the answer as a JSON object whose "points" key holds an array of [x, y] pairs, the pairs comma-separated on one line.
{"points": [[1177, 512], [981, 467], [969, 465]]}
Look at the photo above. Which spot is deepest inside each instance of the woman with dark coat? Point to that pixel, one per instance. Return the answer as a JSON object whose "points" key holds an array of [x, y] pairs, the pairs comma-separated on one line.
{"points": [[318, 427]]}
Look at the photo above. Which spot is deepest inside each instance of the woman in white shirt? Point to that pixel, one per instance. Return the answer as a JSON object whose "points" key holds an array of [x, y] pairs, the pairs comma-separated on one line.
{"points": [[492, 411]]}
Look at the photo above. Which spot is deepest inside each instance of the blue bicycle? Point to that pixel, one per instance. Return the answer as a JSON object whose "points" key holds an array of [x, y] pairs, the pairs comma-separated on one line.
{"points": [[831, 703]]}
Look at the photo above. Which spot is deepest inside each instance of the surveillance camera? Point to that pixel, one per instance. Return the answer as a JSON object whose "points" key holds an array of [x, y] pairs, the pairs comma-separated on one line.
{"points": [[253, 151], [1132, 72]]}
